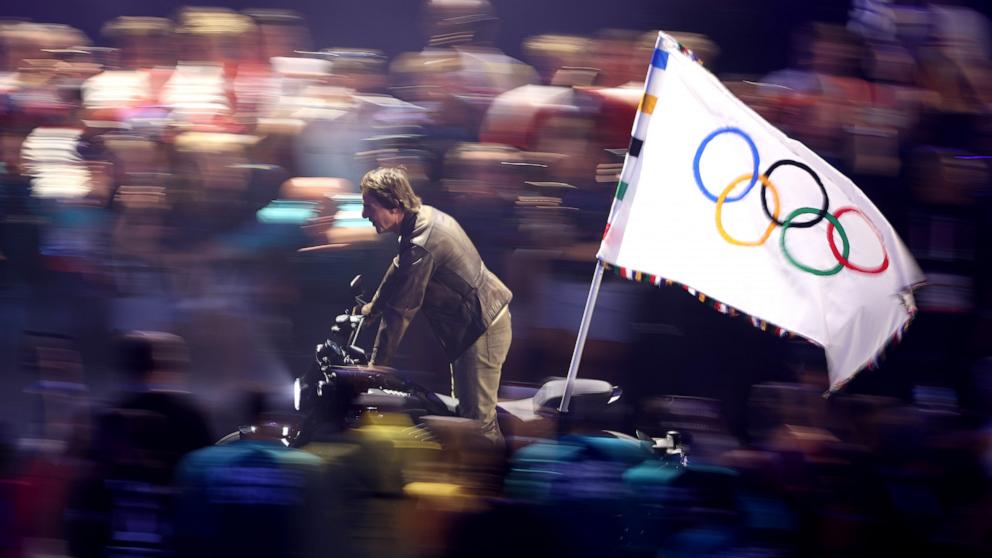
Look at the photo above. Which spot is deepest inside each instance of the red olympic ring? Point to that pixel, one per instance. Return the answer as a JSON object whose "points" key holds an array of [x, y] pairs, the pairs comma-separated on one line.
{"points": [[844, 261]]}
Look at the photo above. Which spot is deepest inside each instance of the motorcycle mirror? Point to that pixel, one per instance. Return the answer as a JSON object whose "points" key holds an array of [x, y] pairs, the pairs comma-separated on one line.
{"points": [[357, 290]]}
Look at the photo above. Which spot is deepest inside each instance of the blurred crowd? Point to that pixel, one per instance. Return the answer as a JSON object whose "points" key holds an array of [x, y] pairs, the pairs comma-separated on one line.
{"points": [[198, 175]]}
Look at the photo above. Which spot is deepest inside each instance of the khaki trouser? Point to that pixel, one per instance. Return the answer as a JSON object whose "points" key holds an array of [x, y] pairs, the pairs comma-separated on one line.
{"points": [[475, 375]]}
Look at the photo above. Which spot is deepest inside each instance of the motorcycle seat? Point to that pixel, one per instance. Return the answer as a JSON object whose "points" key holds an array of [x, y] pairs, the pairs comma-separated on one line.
{"points": [[586, 393]]}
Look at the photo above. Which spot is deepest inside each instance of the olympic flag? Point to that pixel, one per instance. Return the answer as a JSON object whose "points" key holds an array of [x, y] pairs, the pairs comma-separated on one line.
{"points": [[714, 198]]}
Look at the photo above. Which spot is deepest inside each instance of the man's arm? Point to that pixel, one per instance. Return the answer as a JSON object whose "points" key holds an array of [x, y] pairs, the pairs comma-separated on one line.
{"points": [[399, 297]]}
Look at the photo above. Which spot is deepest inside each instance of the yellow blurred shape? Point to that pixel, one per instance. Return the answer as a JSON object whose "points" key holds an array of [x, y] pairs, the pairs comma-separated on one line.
{"points": [[213, 21], [313, 188], [137, 26], [432, 490], [213, 142]]}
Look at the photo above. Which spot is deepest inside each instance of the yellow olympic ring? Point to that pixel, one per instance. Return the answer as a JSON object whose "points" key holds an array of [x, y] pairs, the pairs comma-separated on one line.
{"points": [[719, 210]]}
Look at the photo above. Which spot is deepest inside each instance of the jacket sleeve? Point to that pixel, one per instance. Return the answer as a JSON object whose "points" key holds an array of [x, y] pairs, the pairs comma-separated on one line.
{"points": [[398, 299]]}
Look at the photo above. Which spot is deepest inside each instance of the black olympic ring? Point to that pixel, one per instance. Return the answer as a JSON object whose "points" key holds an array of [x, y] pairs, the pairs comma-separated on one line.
{"points": [[820, 215]]}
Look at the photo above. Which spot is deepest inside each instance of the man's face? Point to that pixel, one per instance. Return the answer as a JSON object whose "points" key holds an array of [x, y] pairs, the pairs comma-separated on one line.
{"points": [[384, 220]]}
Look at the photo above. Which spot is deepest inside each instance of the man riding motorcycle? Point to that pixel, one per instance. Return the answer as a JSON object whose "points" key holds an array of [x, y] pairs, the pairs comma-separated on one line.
{"points": [[438, 270]]}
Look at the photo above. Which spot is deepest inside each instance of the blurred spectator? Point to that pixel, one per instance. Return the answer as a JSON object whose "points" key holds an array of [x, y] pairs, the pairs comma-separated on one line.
{"points": [[571, 139], [280, 32], [156, 368], [944, 224], [620, 55], [216, 179], [482, 184], [144, 42], [826, 79], [60, 391], [50, 449], [20, 218], [343, 136], [131, 82], [212, 46], [257, 497], [257, 84], [361, 70], [873, 18], [960, 56], [41, 87], [460, 72], [552, 54], [122, 504], [518, 117]]}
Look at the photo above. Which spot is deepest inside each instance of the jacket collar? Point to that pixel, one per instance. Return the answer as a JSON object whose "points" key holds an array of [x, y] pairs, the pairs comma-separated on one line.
{"points": [[408, 225]]}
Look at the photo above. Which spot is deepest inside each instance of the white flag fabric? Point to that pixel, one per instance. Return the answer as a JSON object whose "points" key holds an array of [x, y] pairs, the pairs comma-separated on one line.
{"points": [[716, 199]]}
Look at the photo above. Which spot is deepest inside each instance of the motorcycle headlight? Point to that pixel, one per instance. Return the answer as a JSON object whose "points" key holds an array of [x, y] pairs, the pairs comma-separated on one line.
{"points": [[297, 394]]}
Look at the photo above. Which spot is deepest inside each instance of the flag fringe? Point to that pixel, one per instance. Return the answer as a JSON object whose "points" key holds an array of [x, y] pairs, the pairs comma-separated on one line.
{"points": [[723, 308], [876, 361]]}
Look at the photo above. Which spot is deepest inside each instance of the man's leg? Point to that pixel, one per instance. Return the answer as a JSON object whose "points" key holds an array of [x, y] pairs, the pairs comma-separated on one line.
{"points": [[476, 375]]}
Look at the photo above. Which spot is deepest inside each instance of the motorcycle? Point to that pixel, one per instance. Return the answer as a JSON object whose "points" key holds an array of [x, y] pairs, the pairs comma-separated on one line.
{"points": [[340, 390]]}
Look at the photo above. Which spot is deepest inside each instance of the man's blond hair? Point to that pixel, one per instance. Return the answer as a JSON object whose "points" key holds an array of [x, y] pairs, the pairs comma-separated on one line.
{"points": [[391, 188]]}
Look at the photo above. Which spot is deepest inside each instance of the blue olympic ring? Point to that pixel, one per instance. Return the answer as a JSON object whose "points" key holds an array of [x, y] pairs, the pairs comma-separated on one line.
{"points": [[699, 155]]}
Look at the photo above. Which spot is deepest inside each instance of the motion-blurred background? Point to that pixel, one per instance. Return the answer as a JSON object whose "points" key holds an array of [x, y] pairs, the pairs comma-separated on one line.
{"points": [[194, 171]]}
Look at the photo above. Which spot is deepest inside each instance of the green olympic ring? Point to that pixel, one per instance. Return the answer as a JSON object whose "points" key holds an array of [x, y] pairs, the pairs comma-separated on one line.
{"points": [[846, 249]]}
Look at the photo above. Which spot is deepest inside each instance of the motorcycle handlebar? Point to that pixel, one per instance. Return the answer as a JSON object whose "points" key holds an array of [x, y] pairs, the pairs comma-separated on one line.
{"points": [[358, 321]]}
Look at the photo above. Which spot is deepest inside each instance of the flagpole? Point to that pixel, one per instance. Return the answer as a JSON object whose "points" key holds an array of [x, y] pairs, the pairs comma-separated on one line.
{"points": [[580, 340]]}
